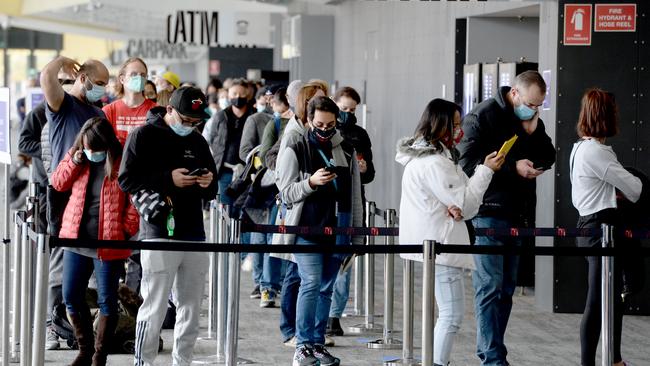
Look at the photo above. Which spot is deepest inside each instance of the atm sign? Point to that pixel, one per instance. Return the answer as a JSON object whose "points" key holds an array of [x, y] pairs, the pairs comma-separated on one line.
{"points": [[615, 18]]}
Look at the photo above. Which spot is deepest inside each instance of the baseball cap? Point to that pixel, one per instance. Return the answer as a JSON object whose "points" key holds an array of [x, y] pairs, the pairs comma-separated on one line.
{"points": [[189, 101], [172, 78]]}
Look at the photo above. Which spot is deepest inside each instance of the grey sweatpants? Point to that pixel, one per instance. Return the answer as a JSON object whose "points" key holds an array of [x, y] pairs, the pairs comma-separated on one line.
{"points": [[184, 273]]}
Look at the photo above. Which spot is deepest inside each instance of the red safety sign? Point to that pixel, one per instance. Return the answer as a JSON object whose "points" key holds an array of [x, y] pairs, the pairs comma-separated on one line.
{"points": [[615, 18], [577, 25], [214, 68]]}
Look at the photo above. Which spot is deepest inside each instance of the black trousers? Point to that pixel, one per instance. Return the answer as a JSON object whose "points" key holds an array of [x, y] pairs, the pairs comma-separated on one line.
{"points": [[590, 326]]}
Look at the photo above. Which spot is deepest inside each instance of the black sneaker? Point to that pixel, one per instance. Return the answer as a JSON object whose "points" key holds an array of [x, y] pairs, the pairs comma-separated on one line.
{"points": [[334, 327], [256, 294], [304, 357], [324, 357]]}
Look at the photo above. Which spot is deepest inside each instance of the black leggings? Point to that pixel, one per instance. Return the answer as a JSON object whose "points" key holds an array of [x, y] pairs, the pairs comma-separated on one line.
{"points": [[590, 325]]}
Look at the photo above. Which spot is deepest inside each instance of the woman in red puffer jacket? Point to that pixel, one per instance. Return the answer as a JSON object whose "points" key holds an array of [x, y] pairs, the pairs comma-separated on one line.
{"points": [[98, 209]]}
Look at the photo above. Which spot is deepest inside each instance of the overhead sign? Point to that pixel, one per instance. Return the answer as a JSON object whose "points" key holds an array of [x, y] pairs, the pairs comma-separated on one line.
{"points": [[193, 27], [5, 126], [214, 68], [33, 98], [155, 49], [615, 18], [577, 24]]}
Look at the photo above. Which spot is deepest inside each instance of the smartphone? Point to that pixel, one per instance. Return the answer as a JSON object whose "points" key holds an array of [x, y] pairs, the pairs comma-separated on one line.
{"points": [[542, 168], [199, 172], [330, 169]]}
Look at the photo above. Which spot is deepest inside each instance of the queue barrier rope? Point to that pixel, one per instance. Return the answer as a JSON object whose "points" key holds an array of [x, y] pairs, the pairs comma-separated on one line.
{"points": [[194, 246]]}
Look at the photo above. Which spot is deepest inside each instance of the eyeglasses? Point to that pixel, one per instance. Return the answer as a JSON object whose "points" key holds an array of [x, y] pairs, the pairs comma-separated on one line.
{"points": [[188, 122]]}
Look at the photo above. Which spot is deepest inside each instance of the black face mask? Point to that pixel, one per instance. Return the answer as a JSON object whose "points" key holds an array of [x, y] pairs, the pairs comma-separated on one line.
{"points": [[322, 136], [239, 102], [346, 119]]}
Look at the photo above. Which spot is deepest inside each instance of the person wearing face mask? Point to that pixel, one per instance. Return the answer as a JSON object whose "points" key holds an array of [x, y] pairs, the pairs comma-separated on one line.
{"points": [[67, 112], [98, 209], [509, 199], [347, 99], [255, 124], [223, 132], [150, 91], [213, 103], [167, 156], [282, 113], [130, 111], [319, 185], [437, 196]]}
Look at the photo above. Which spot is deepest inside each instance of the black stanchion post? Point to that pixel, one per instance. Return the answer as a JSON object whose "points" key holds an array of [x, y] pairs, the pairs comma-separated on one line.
{"points": [[607, 298], [233, 299], [428, 309], [387, 341], [221, 295], [6, 274], [369, 325], [16, 288], [408, 294]]}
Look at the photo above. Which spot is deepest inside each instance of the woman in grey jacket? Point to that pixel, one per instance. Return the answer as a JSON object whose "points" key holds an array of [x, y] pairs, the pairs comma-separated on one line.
{"points": [[311, 172]]}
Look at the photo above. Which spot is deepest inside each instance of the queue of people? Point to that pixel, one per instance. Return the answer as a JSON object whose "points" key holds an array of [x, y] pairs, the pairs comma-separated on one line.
{"points": [[142, 167]]}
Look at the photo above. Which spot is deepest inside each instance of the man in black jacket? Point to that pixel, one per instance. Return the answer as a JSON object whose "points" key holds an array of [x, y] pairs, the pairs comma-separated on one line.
{"points": [[169, 157], [514, 111]]}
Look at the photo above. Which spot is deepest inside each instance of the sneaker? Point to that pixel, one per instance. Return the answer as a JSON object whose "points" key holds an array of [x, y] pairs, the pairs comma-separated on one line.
{"points": [[334, 327], [255, 294], [51, 340], [291, 342], [329, 341], [267, 300], [325, 358], [247, 264], [304, 357]]}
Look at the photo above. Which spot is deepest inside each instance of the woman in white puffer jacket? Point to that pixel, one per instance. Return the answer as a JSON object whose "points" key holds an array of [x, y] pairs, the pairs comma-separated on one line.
{"points": [[437, 197]]}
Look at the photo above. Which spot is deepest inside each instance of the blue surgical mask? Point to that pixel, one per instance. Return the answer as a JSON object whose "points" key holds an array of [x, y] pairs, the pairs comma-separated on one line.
{"points": [[180, 129], [135, 84], [346, 119], [261, 108], [95, 156], [223, 103], [524, 112], [95, 93]]}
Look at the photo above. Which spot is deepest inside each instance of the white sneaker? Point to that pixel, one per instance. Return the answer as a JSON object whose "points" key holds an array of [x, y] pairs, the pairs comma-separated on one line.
{"points": [[291, 342], [247, 264]]}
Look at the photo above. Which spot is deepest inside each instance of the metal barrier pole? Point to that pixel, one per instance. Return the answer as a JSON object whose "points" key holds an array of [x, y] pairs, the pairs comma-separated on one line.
{"points": [[408, 294], [27, 253], [6, 272], [40, 310], [428, 309], [387, 341], [607, 298], [233, 299], [357, 285], [369, 325], [221, 295], [16, 304], [212, 276]]}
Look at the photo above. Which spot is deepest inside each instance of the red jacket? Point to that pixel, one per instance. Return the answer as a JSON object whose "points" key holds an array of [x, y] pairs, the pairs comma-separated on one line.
{"points": [[118, 219]]}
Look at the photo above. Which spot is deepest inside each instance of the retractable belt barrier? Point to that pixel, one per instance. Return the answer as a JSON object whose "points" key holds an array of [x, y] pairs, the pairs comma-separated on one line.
{"points": [[227, 313]]}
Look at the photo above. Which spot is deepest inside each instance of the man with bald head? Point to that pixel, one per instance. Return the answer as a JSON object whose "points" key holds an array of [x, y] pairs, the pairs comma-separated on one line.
{"points": [[67, 112]]}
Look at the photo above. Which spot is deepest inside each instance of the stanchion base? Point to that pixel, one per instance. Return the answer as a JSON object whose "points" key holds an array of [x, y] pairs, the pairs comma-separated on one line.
{"points": [[218, 360], [14, 359], [363, 328], [381, 344], [400, 362], [207, 337]]}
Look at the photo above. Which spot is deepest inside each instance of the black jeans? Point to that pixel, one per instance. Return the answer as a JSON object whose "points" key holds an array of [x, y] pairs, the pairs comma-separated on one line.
{"points": [[590, 325]]}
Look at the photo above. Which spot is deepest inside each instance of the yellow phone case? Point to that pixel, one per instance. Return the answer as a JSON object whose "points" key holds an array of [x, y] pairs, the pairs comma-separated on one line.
{"points": [[507, 146]]}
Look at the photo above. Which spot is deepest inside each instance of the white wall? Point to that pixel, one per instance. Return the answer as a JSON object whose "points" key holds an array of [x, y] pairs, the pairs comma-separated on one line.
{"points": [[517, 38], [259, 29]]}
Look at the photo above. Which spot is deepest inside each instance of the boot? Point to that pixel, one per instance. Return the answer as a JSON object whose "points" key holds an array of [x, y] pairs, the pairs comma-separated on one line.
{"points": [[83, 331], [334, 327], [105, 331]]}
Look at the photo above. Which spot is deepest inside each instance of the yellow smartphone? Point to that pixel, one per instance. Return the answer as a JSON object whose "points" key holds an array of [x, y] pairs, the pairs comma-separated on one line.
{"points": [[505, 148]]}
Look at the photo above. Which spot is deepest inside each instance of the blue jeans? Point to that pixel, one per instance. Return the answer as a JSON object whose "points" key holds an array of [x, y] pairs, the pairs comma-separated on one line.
{"points": [[494, 280], [288, 300], [341, 294], [224, 180], [77, 270], [450, 298], [317, 277], [267, 270]]}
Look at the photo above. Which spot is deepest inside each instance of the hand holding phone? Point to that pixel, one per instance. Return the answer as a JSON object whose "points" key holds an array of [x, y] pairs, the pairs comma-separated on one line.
{"points": [[198, 172]]}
